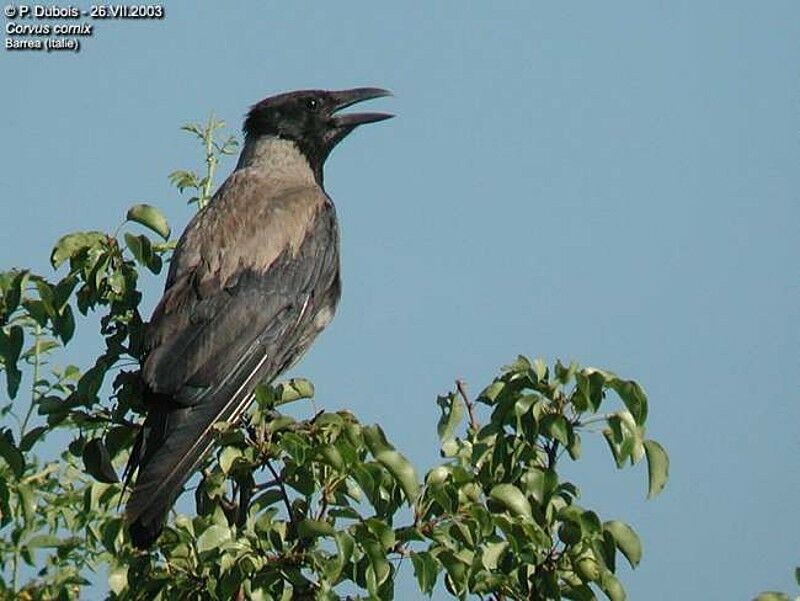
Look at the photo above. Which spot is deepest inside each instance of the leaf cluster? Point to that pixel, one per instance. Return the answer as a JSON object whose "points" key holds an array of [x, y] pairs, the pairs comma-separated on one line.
{"points": [[498, 518], [201, 186], [308, 508], [51, 505]]}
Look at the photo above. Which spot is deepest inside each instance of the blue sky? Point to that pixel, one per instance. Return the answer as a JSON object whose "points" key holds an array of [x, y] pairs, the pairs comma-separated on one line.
{"points": [[612, 184]]}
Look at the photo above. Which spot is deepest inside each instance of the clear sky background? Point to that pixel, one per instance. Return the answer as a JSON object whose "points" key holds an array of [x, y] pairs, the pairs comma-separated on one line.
{"points": [[615, 184]]}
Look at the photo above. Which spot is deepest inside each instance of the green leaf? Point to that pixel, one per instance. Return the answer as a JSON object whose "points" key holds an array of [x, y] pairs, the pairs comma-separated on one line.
{"points": [[42, 347], [511, 499], [64, 324], [118, 579], [587, 568], [456, 572], [11, 343], [330, 455], [452, 413], [11, 453], [605, 549], [13, 379], [614, 444], [772, 596], [540, 369], [380, 566], [574, 446], [344, 551], [293, 390], [90, 383], [589, 389], [296, 446], [569, 533], [624, 437], [44, 541], [10, 349], [657, 467], [557, 427], [382, 531], [30, 438], [193, 128], [45, 291], [579, 593], [184, 522], [62, 292], [315, 528], [13, 294], [397, 465], [590, 522], [184, 179], [426, 570], [227, 457], [111, 534], [492, 553], [626, 539], [27, 501], [565, 374], [5, 507], [797, 575], [70, 245], [36, 310], [437, 475], [633, 396], [491, 393], [150, 217], [97, 462], [212, 537], [540, 483], [612, 587], [329, 421], [118, 438], [140, 247]]}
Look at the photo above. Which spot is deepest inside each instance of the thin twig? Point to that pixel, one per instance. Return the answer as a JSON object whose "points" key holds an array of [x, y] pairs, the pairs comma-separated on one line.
{"points": [[246, 489], [267, 484], [323, 502], [283, 493], [51, 468], [552, 455], [591, 420], [211, 163], [34, 395], [473, 421]]}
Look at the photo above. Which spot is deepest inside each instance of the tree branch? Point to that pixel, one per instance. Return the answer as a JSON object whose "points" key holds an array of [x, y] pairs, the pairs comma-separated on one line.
{"points": [[473, 421], [283, 493]]}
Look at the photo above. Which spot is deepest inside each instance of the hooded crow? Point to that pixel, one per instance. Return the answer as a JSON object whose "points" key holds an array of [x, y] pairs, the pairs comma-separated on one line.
{"points": [[253, 280]]}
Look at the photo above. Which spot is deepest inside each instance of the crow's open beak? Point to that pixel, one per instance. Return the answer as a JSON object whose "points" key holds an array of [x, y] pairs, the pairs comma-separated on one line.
{"points": [[346, 98]]}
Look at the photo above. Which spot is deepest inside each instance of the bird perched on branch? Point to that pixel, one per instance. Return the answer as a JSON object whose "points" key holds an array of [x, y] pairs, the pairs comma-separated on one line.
{"points": [[253, 280]]}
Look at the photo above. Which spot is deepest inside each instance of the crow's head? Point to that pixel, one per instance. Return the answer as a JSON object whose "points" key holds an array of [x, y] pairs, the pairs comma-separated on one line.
{"points": [[310, 119]]}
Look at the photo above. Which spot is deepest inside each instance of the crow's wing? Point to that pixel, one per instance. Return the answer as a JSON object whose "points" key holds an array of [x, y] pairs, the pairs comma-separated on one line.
{"points": [[243, 232], [254, 279]]}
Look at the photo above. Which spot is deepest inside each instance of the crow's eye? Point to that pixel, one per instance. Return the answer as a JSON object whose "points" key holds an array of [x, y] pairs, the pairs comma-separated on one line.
{"points": [[312, 104]]}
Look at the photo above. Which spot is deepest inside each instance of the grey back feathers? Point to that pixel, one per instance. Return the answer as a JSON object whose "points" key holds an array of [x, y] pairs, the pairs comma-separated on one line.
{"points": [[253, 280]]}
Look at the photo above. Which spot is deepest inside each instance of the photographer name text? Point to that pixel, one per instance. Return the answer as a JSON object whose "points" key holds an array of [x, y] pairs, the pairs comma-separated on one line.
{"points": [[49, 27]]}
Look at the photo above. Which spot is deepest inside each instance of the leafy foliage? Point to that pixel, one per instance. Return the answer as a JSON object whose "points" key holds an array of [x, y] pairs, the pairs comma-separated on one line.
{"points": [[214, 149], [292, 508]]}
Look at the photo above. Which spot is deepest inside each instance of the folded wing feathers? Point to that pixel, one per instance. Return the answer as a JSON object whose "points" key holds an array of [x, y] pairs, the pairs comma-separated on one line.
{"points": [[210, 354], [187, 436]]}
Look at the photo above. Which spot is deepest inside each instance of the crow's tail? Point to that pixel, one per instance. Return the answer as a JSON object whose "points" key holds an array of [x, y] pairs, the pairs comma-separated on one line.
{"points": [[175, 438]]}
